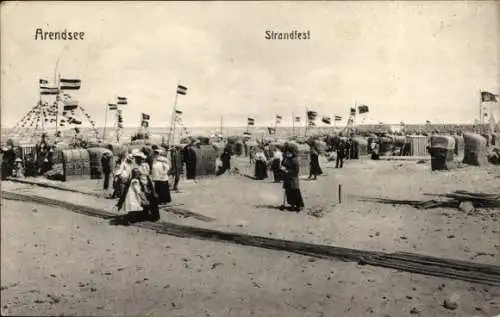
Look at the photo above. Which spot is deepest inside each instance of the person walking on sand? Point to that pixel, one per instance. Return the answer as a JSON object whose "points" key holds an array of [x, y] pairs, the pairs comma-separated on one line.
{"points": [[290, 169], [314, 168], [131, 201], [190, 160], [260, 164], [159, 175], [340, 153], [276, 164], [176, 166], [106, 164]]}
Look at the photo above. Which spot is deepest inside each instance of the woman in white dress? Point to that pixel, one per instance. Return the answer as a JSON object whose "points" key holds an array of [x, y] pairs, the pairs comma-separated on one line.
{"points": [[130, 202]]}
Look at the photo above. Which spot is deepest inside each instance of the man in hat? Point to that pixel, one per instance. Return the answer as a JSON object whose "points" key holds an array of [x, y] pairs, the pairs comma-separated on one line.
{"points": [[175, 166], [106, 163]]}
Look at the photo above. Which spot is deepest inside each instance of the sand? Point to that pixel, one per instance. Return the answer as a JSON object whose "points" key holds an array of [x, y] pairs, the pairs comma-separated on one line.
{"points": [[59, 263]]}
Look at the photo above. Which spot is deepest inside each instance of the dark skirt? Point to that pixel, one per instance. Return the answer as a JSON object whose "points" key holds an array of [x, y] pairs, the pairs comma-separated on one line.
{"points": [[294, 197], [162, 190], [260, 170], [315, 169], [191, 170]]}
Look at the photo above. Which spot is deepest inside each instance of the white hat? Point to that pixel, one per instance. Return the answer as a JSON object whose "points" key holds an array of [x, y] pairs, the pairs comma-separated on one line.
{"points": [[139, 154], [18, 159]]}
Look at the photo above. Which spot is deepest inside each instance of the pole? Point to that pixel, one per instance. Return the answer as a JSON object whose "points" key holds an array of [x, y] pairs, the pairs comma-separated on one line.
{"points": [[293, 124], [105, 123], [221, 120], [481, 113], [340, 193], [307, 124], [43, 117], [172, 119]]}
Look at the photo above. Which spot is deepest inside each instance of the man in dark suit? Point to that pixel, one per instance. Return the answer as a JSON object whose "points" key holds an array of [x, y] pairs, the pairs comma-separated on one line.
{"points": [[341, 151]]}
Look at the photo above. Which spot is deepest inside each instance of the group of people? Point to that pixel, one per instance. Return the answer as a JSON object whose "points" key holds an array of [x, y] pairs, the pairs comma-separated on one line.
{"points": [[140, 182], [285, 168]]}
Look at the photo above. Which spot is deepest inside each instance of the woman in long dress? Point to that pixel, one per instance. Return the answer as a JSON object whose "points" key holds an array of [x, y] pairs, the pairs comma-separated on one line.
{"points": [[290, 169], [130, 202], [260, 164], [159, 174], [314, 168]]}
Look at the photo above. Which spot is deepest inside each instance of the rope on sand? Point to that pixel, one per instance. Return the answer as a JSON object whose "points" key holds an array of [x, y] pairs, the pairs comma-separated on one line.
{"points": [[408, 262]]}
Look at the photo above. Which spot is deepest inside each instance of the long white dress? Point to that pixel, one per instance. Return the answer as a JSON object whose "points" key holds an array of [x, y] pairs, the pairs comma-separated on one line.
{"points": [[132, 202]]}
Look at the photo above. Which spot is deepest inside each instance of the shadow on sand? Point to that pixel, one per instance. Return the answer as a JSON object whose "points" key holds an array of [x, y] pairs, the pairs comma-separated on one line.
{"points": [[280, 207]]}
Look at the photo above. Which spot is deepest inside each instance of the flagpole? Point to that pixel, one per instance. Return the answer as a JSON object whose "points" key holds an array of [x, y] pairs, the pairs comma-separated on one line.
{"points": [[105, 123], [172, 119], [57, 98], [221, 120], [480, 111], [41, 109], [293, 124], [307, 124]]}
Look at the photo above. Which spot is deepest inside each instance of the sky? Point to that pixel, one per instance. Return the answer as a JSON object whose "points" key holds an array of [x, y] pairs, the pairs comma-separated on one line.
{"points": [[408, 61]]}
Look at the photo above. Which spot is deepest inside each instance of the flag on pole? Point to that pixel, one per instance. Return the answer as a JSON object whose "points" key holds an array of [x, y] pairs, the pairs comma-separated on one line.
{"points": [[178, 111], [145, 116], [362, 109], [338, 118], [488, 97], [250, 121], [326, 120], [278, 118], [297, 119], [181, 90], [271, 131], [353, 111], [427, 122], [112, 106], [49, 91], [122, 101], [70, 84], [311, 115], [43, 82]]}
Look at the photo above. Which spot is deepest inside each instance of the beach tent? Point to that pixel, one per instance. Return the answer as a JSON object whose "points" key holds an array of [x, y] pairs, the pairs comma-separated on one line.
{"points": [[442, 148], [475, 149]]}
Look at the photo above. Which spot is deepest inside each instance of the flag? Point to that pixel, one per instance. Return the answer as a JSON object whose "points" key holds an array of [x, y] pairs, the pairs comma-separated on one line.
{"points": [[122, 101], [247, 133], [74, 121], [70, 84], [271, 130], [311, 123], [43, 82], [488, 96], [250, 121], [338, 118], [402, 123], [278, 118], [49, 91], [326, 120], [181, 90], [362, 109], [297, 119], [146, 116], [178, 111], [427, 122], [112, 106], [353, 111], [70, 107], [311, 115]]}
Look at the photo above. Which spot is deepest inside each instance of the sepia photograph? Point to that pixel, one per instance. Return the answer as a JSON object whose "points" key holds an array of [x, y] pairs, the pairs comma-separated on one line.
{"points": [[250, 158]]}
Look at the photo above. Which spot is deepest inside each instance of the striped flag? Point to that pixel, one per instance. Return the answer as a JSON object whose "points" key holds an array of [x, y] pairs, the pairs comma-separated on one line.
{"points": [[146, 116], [338, 118], [278, 118], [49, 91], [43, 82], [311, 115], [70, 84], [326, 120], [112, 106], [70, 104], [181, 90], [122, 101], [178, 111], [297, 119], [353, 111], [247, 134], [250, 121]]}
